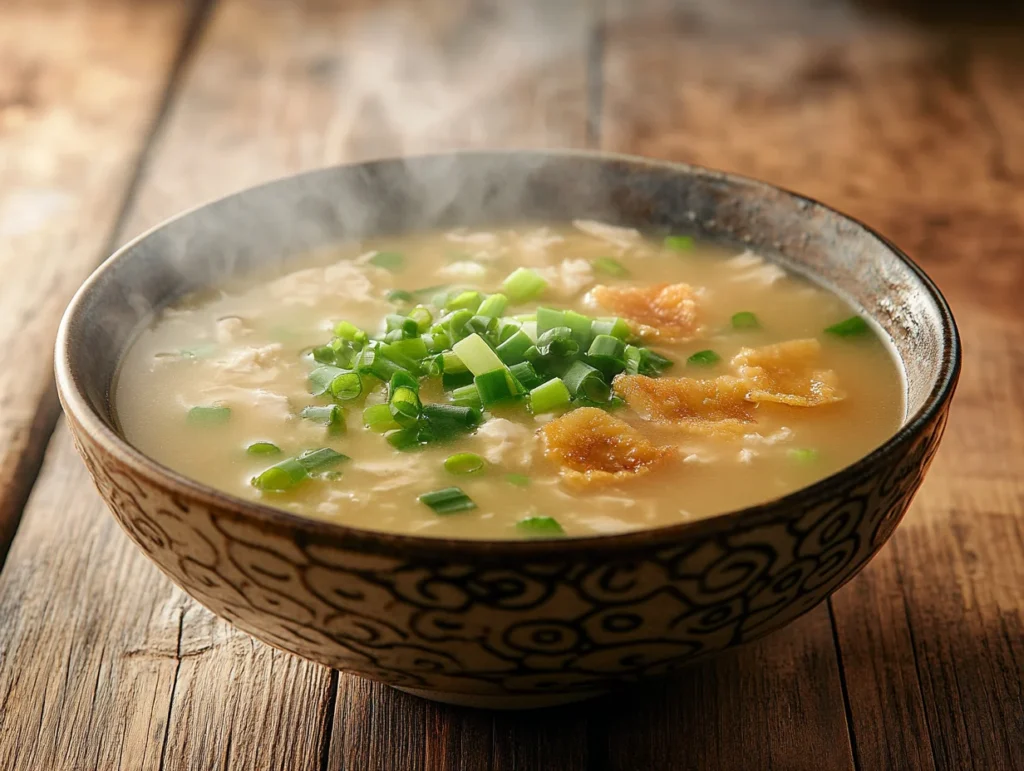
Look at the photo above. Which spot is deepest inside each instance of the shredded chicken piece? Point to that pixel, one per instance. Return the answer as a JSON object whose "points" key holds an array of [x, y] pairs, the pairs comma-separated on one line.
{"points": [[595, 448], [506, 443], [785, 373], [752, 267], [613, 234], [699, 406], [464, 269], [230, 329], [569, 277], [666, 311]]}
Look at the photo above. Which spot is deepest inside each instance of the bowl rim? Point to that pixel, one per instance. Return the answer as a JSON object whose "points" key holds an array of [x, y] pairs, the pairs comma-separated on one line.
{"points": [[79, 410]]}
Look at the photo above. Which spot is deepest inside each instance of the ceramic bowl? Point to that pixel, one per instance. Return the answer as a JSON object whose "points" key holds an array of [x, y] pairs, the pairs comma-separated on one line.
{"points": [[505, 624]]}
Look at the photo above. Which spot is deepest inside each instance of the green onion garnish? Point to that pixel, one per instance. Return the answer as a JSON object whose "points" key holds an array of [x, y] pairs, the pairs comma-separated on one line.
{"points": [[405, 406], [679, 243], [392, 261], [557, 342], [464, 463], [477, 355], [280, 477], [320, 379], [423, 318], [610, 267], [346, 386], [585, 381], [523, 285], [318, 460], [332, 417], [526, 375], [548, 319], [467, 396], [378, 419], [403, 439], [644, 361], [540, 526], [263, 448], [450, 500], [614, 327], [803, 455], [851, 327], [706, 358], [350, 332], [513, 350], [549, 396], [519, 480], [745, 320], [495, 387], [469, 300], [493, 306], [209, 416]]}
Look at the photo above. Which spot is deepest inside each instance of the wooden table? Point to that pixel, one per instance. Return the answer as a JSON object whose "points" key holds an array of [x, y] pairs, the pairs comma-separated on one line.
{"points": [[116, 113]]}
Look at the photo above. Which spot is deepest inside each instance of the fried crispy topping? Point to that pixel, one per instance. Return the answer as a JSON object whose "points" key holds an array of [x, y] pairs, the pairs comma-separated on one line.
{"points": [[700, 406], [595, 448], [785, 373], [665, 311]]}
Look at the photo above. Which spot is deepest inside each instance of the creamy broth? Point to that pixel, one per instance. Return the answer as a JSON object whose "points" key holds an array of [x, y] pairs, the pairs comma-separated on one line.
{"points": [[247, 347]]}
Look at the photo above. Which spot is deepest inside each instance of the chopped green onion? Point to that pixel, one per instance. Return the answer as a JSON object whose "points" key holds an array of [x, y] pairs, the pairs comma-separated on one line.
{"points": [[745, 320], [317, 460], [451, 381], [403, 439], [410, 349], [548, 319], [607, 347], [331, 416], [580, 326], [281, 476], [469, 300], [679, 243], [519, 480], [396, 323], [495, 387], [209, 416], [454, 324], [393, 357], [378, 418], [613, 327], [450, 500], [851, 327], [405, 407], [477, 355], [706, 358], [803, 455], [346, 386], [402, 380], [485, 326], [392, 261], [610, 267], [467, 396], [644, 361], [436, 342], [263, 448], [451, 417], [582, 380], [320, 379], [350, 332], [526, 375], [464, 463], [452, 364], [493, 306], [423, 317], [540, 526], [549, 396], [513, 350], [507, 328], [401, 297], [558, 342], [523, 285], [324, 354]]}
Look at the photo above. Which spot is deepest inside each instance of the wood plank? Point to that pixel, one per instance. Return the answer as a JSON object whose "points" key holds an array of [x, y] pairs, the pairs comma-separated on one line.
{"points": [[276, 88], [774, 704], [916, 130], [74, 114]]}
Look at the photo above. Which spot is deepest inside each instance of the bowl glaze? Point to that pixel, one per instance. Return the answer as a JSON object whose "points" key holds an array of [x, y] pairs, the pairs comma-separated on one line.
{"points": [[505, 624]]}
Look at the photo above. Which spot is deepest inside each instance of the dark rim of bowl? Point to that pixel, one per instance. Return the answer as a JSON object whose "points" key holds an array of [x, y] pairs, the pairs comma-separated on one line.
{"points": [[395, 544]]}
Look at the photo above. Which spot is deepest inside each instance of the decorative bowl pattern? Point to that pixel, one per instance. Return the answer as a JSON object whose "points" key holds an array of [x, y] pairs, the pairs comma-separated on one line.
{"points": [[506, 624]]}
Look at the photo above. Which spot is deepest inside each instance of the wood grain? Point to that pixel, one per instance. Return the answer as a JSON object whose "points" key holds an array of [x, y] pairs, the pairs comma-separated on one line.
{"points": [[74, 113], [917, 130]]}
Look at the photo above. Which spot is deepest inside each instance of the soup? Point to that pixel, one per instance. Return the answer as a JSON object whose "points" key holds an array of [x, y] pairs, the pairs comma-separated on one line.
{"points": [[535, 382]]}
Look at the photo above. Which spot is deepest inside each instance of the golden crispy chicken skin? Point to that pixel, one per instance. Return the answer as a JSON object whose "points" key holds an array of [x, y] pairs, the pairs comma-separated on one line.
{"points": [[661, 311], [699, 406], [593, 448], [785, 373]]}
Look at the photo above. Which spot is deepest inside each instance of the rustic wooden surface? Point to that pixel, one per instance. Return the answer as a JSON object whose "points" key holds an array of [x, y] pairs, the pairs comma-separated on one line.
{"points": [[115, 114]]}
